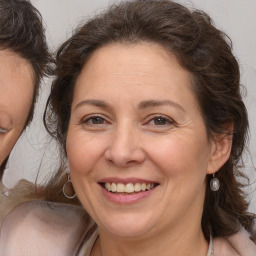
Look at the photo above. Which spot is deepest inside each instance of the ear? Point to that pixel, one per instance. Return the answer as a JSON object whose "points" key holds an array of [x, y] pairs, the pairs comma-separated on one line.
{"points": [[220, 150]]}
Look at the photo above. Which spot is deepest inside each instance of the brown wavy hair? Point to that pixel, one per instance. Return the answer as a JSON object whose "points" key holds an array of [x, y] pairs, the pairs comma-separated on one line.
{"points": [[22, 31], [200, 48]]}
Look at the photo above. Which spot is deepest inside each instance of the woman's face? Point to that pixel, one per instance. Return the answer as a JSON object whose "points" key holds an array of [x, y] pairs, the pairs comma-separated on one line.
{"points": [[16, 93], [136, 128]]}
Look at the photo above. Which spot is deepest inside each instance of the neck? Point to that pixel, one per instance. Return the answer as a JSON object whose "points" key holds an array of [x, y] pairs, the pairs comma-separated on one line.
{"points": [[185, 243]]}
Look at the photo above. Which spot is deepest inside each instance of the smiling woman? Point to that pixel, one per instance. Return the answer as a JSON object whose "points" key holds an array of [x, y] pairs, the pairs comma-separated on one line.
{"points": [[146, 107], [151, 124]]}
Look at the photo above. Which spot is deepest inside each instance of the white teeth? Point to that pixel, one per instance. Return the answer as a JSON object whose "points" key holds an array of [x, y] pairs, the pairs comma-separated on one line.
{"points": [[127, 188], [107, 186], [120, 188], [137, 187], [113, 187]]}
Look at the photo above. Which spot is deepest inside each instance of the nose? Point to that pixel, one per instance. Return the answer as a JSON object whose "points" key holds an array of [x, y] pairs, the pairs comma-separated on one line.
{"points": [[125, 148]]}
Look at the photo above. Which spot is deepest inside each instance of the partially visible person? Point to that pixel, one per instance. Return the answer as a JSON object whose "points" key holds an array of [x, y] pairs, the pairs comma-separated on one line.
{"points": [[24, 60], [147, 109]]}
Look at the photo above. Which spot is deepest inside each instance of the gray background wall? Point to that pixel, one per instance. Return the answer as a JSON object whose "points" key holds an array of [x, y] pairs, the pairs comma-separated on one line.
{"points": [[35, 152]]}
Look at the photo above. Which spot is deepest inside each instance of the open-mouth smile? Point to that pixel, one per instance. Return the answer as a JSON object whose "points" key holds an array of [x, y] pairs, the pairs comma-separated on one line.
{"points": [[127, 192], [129, 188]]}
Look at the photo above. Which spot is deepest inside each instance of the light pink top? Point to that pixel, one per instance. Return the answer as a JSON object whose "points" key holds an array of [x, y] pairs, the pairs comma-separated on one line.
{"points": [[42, 228]]}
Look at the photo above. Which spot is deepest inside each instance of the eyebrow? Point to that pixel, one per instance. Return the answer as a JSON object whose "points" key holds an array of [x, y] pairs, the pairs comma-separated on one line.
{"points": [[97, 103], [143, 105], [156, 103]]}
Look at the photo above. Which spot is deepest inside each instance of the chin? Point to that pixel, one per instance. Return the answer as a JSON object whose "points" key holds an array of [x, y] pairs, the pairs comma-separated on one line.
{"points": [[128, 225]]}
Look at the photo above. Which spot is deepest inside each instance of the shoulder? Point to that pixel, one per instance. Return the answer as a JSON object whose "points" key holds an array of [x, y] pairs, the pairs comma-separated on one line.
{"points": [[10, 198], [238, 244], [43, 228]]}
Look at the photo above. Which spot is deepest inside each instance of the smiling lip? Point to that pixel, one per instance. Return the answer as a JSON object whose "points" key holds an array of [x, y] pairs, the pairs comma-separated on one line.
{"points": [[126, 181], [3, 130], [126, 198]]}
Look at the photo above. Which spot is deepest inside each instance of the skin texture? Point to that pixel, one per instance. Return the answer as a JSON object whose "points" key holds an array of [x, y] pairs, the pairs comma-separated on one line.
{"points": [[16, 92], [128, 140]]}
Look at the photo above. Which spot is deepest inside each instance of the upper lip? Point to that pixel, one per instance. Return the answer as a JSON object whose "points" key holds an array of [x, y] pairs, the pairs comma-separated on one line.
{"points": [[126, 180]]}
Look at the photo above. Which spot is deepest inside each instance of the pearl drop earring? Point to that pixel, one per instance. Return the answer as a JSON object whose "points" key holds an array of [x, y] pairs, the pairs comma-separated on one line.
{"points": [[214, 183]]}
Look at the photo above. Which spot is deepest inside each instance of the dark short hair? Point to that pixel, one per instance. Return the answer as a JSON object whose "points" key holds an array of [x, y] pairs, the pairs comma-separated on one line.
{"points": [[22, 31], [201, 49]]}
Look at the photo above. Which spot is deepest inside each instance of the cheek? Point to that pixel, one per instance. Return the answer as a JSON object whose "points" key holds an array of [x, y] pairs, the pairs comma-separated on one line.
{"points": [[179, 157], [83, 151], [183, 165]]}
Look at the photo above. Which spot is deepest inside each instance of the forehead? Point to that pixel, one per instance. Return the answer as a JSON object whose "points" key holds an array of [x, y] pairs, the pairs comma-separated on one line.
{"points": [[13, 67], [14, 63], [16, 82], [130, 65]]}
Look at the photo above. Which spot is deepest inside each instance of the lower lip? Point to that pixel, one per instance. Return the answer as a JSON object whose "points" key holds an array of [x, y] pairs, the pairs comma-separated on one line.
{"points": [[127, 198]]}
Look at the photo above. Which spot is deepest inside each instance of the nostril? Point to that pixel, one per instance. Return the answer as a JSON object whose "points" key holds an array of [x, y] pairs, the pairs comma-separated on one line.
{"points": [[124, 149], [124, 158], [110, 161]]}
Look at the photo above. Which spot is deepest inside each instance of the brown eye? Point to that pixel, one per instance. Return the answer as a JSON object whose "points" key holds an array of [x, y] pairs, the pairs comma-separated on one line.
{"points": [[97, 120], [94, 120], [160, 121]]}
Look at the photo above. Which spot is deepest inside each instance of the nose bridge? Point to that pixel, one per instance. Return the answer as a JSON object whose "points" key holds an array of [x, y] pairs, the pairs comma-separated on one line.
{"points": [[125, 147]]}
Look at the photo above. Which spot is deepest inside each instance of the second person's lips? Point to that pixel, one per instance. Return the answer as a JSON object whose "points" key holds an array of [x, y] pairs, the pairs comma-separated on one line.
{"points": [[5, 122]]}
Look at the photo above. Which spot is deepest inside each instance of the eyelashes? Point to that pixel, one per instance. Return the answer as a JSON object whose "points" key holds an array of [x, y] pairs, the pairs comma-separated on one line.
{"points": [[152, 121], [94, 120]]}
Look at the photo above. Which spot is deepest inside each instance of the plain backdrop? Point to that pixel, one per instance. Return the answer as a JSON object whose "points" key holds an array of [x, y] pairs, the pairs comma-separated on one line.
{"points": [[34, 153]]}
